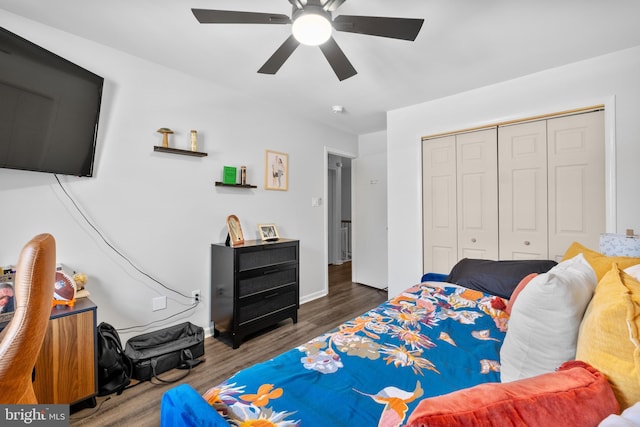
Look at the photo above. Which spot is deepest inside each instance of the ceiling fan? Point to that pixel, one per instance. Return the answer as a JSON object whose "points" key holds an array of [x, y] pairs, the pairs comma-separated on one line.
{"points": [[312, 25]]}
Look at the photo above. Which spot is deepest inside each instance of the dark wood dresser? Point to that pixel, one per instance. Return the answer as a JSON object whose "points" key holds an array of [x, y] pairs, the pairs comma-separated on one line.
{"points": [[253, 286]]}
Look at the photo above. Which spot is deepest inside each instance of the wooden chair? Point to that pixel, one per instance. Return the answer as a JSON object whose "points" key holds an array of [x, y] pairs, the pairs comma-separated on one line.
{"points": [[23, 336]]}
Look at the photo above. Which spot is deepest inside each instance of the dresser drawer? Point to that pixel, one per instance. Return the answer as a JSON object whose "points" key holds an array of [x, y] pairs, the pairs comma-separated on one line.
{"points": [[274, 255], [269, 279], [271, 302]]}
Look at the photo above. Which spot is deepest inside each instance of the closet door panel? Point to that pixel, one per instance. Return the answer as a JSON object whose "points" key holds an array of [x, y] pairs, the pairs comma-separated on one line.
{"points": [[576, 181], [522, 183], [477, 194], [439, 204]]}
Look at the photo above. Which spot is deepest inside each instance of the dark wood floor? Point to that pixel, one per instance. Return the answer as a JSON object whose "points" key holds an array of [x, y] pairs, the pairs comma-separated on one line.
{"points": [[140, 405]]}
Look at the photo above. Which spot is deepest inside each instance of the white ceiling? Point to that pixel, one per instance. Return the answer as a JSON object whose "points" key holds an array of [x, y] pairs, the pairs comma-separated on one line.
{"points": [[463, 44]]}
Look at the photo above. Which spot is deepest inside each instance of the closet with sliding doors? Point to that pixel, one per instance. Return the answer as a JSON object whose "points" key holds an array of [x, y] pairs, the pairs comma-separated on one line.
{"points": [[517, 190]]}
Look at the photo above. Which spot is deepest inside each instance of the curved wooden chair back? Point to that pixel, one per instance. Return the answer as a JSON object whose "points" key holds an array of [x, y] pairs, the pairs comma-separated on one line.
{"points": [[23, 336]]}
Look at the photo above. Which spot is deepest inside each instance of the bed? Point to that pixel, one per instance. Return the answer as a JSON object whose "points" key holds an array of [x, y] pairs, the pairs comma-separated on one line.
{"points": [[409, 359]]}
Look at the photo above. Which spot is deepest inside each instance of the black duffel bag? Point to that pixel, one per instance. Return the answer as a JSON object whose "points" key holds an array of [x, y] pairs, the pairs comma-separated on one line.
{"points": [[156, 352]]}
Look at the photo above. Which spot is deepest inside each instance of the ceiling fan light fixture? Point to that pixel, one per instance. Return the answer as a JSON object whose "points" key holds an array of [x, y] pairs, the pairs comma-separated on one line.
{"points": [[312, 27]]}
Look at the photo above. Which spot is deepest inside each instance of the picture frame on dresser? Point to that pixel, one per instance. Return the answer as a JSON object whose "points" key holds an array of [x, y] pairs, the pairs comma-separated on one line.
{"points": [[235, 236], [268, 232]]}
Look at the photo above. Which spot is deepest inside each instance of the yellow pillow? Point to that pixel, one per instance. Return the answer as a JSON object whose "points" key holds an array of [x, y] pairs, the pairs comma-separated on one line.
{"points": [[608, 337], [599, 262]]}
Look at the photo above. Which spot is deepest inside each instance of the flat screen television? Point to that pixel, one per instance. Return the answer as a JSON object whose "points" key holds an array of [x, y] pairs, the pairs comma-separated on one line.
{"points": [[49, 110]]}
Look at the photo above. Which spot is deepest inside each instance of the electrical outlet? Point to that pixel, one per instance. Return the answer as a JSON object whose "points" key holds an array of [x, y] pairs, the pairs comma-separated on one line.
{"points": [[196, 297], [159, 303]]}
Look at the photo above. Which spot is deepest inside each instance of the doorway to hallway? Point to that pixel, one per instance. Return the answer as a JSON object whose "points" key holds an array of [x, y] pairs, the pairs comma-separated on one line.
{"points": [[339, 189]]}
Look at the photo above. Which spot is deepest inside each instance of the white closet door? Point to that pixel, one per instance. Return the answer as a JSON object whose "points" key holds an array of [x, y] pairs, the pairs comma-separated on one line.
{"points": [[522, 165], [576, 181], [439, 204], [477, 194]]}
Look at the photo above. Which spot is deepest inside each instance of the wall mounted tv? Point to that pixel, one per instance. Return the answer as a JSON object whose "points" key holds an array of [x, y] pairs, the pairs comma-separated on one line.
{"points": [[49, 109]]}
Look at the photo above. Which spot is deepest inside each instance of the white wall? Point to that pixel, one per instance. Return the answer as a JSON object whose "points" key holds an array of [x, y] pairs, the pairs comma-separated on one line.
{"points": [[163, 210], [369, 171], [610, 79]]}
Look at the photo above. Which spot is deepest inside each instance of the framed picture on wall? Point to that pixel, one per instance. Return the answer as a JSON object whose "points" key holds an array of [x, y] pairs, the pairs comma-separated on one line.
{"points": [[268, 232], [276, 173]]}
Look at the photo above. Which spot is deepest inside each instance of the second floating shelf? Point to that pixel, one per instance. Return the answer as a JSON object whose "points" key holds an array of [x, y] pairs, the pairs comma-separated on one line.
{"points": [[222, 184]]}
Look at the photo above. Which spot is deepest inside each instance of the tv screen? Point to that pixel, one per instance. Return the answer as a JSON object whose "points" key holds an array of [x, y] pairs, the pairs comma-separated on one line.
{"points": [[49, 109]]}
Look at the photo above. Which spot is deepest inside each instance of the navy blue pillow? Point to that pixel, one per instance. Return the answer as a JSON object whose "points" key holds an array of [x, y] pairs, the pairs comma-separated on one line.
{"points": [[495, 277], [433, 277]]}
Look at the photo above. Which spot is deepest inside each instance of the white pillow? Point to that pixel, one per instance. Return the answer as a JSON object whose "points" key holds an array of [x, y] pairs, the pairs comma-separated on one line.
{"points": [[630, 417], [634, 271], [545, 319]]}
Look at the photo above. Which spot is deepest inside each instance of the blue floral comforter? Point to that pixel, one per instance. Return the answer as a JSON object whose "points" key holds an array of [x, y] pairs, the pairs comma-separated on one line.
{"points": [[373, 370]]}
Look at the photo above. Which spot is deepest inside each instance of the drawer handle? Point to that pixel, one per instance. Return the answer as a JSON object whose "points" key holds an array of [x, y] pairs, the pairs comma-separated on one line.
{"points": [[527, 243], [272, 295], [473, 240], [274, 270]]}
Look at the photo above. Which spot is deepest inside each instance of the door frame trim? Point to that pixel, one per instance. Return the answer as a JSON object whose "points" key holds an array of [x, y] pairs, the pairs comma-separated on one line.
{"points": [[336, 152]]}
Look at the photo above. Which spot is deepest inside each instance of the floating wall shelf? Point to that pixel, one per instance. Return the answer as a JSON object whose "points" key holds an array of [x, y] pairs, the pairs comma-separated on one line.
{"points": [[222, 184], [178, 151]]}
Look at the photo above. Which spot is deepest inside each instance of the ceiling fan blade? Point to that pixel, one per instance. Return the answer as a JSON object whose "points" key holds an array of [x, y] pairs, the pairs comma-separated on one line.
{"points": [[279, 57], [338, 60], [332, 5], [395, 28], [208, 16]]}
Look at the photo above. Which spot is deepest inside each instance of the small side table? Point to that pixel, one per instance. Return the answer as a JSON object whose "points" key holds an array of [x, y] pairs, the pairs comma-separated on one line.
{"points": [[65, 372]]}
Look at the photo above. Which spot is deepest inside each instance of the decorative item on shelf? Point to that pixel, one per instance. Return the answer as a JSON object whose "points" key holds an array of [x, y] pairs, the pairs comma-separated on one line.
{"points": [[268, 232], [235, 236], [276, 174], [229, 175], [243, 175], [165, 136], [194, 140]]}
